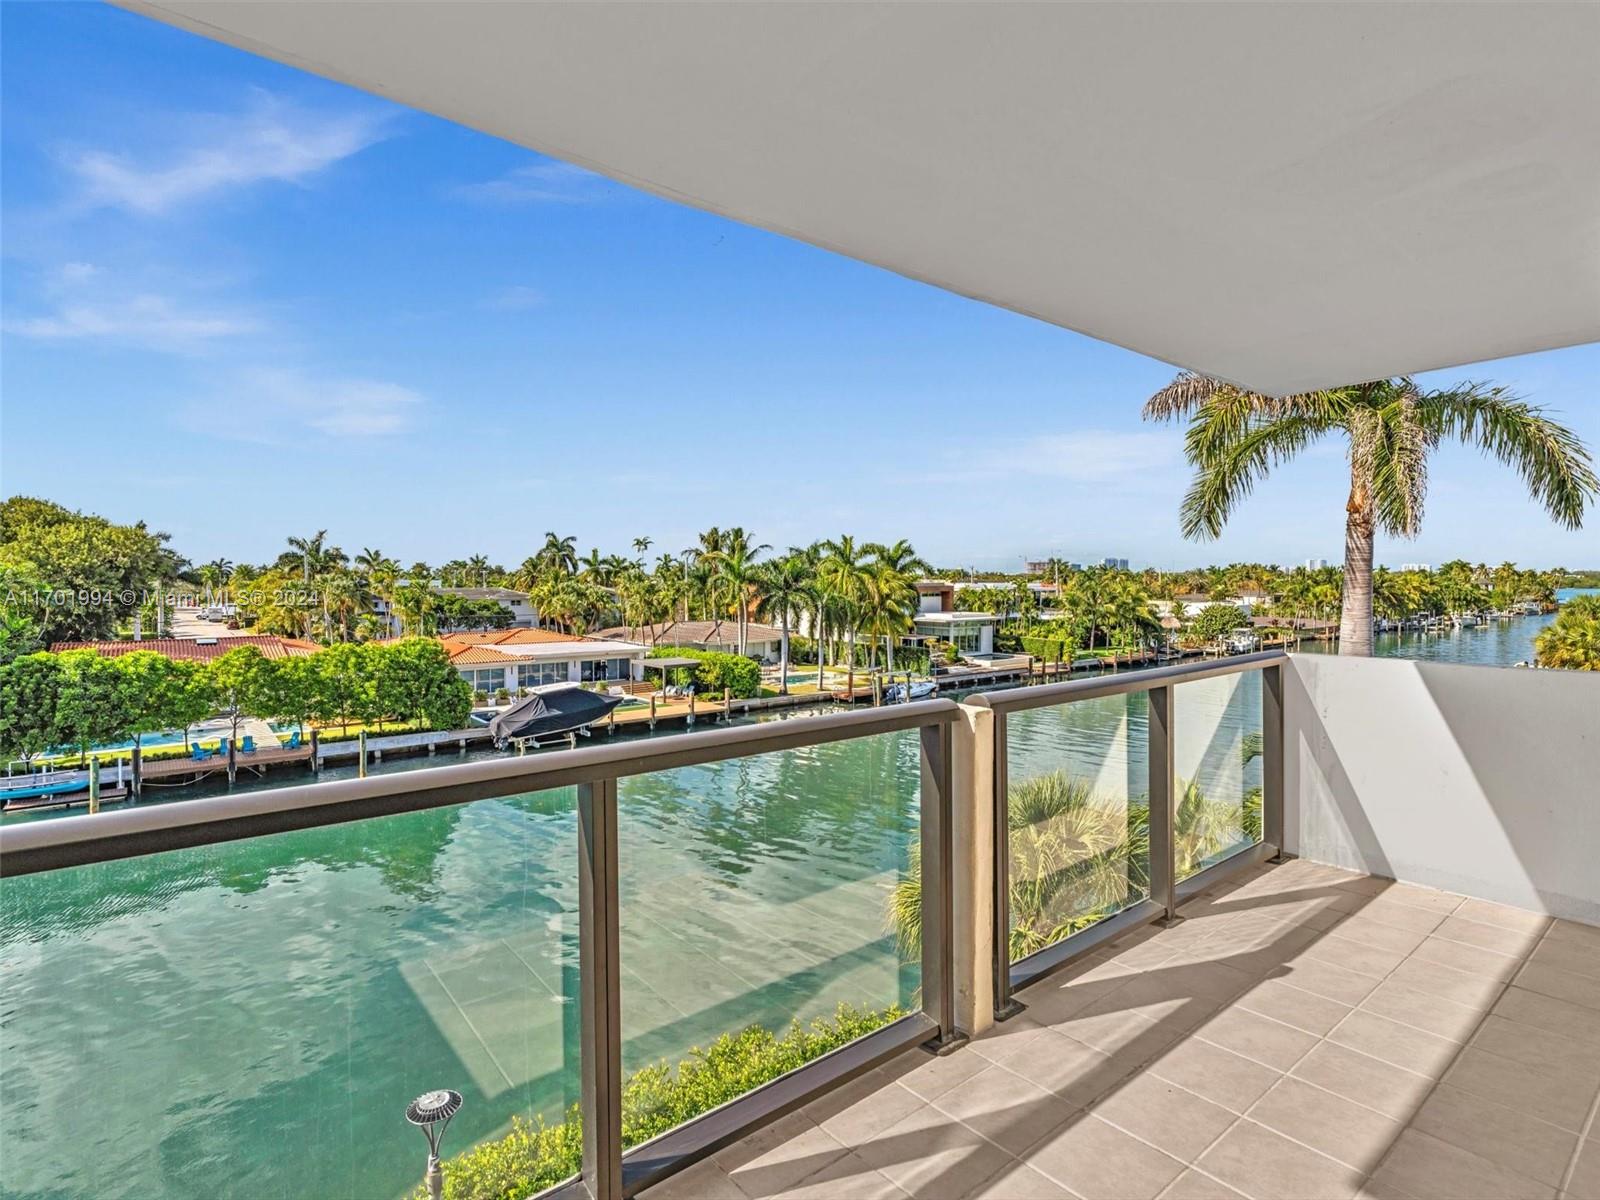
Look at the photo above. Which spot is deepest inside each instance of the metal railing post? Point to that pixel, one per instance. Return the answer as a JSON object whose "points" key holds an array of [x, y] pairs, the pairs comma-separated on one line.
{"points": [[600, 1055], [1163, 804], [1005, 1005], [1272, 760], [938, 886]]}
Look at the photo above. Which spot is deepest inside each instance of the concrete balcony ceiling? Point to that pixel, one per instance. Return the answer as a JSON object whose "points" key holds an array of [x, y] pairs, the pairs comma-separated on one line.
{"points": [[1287, 196]]}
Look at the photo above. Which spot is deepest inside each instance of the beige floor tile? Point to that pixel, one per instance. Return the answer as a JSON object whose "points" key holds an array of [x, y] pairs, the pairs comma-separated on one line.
{"points": [[933, 1155], [1069, 1069], [1518, 943], [1417, 896], [703, 1181], [1098, 1162], [847, 1178], [938, 1073], [1425, 1167], [1401, 916], [1448, 983], [1563, 985], [1018, 1181], [1121, 1030], [1359, 927], [1444, 1018], [1574, 932], [1160, 996], [1354, 956], [1006, 1038], [1584, 1182], [1470, 959], [1489, 913], [1558, 1016], [1325, 979], [1567, 954], [1006, 1108], [863, 1107], [1170, 1118], [1503, 1135], [1342, 1129], [779, 1156], [1051, 1004], [1218, 1075], [1262, 1039], [1402, 1045], [1293, 1006], [1378, 1085], [1260, 1162], [1192, 1185], [1561, 1097], [1535, 1046]]}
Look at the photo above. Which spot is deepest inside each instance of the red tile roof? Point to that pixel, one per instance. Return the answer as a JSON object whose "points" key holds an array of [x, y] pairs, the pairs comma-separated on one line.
{"points": [[509, 637], [474, 656], [198, 649]]}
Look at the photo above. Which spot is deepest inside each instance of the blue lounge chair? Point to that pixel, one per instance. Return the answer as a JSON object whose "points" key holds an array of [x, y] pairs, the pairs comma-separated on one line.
{"points": [[200, 753], [294, 741], [248, 745]]}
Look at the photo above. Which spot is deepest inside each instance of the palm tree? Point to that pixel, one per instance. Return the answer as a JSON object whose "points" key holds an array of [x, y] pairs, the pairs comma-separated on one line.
{"points": [[783, 588], [310, 552], [641, 544], [1572, 642], [559, 555], [735, 570], [1236, 437], [478, 567], [843, 572]]}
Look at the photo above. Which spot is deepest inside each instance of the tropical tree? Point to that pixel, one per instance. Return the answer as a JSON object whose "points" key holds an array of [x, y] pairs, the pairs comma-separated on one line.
{"points": [[735, 573], [1572, 641], [30, 704], [1235, 437], [783, 590], [242, 682]]}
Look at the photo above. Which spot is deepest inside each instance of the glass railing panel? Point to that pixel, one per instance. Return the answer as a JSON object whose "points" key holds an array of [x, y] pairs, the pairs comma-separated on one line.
{"points": [[760, 895], [1217, 758], [1077, 792], [252, 1018]]}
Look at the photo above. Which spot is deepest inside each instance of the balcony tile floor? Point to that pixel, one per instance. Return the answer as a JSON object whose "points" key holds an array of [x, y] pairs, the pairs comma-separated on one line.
{"points": [[1306, 1033]]}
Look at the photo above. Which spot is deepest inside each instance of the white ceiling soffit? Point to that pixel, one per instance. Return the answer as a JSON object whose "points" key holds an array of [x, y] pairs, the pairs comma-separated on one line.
{"points": [[1288, 196]]}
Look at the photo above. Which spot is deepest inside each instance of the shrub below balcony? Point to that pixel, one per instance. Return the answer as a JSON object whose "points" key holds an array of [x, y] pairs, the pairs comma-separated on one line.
{"points": [[536, 1155]]}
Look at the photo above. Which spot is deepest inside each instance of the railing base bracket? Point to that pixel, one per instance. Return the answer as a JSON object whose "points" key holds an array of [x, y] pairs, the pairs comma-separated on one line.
{"points": [[945, 1043], [1171, 919], [1013, 1008]]}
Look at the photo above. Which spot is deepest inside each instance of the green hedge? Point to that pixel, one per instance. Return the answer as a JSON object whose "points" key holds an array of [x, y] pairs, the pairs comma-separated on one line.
{"points": [[740, 675], [536, 1155]]}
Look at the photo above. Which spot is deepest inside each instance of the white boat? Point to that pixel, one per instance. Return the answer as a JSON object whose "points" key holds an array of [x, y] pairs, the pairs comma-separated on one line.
{"points": [[1242, 640], [920, 690]]}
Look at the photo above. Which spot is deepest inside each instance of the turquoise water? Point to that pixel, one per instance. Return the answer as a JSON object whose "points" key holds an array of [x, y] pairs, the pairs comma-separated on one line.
{"points": [[1492, 644], [251, 1019]]}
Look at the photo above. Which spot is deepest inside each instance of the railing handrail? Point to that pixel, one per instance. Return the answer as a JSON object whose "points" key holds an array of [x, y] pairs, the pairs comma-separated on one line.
{"points": [[135, 832], [1041, 694]]}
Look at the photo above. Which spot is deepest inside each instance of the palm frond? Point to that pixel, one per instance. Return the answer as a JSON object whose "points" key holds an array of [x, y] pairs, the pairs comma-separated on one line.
{"points": [[1551, 459], [1228, 472]]}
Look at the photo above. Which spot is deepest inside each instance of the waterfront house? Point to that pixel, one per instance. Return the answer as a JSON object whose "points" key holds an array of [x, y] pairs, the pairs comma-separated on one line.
{"points": [[525, 658], [197, 649], [761, 641]]}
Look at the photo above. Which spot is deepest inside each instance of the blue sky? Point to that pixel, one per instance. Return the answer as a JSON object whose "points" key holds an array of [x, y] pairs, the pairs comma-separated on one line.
{"points": [[241, 302]]}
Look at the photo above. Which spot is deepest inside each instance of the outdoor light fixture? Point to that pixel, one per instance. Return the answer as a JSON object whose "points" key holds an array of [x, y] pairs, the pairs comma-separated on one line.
{"points": [[431, 1112]]}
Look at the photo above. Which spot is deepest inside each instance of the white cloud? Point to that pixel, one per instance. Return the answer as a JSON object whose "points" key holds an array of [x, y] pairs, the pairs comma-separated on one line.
{"points": [[275, 404], [515, 298], [77, 272], [146, 321], [273, 142], [541, 183]]}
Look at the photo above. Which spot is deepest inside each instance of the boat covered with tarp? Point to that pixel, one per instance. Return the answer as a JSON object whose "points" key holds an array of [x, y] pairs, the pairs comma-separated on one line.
{"points": [[552, 711]]}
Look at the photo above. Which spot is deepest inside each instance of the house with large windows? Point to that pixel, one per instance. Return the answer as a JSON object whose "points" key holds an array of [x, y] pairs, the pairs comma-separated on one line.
{"points": [[515, 659]]}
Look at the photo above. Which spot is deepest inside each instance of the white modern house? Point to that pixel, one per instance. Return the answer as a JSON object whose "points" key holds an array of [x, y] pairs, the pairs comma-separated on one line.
{"points": [[525, 658]]}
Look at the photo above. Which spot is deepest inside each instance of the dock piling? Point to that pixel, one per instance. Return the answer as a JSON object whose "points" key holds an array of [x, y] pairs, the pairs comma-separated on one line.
{"points": [[361, 754], [316, 758], [136, 770], [233, 763], [94, 785]]}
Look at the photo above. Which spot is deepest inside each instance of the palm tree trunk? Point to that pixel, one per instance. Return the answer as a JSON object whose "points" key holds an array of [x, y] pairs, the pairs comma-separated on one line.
{"points": [[1355, 617], [783, 654]]}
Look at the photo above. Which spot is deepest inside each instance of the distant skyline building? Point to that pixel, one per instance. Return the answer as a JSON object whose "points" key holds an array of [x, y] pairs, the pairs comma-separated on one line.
{"points": [[1416, 566], [1120, 564], [1316, 564]]}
